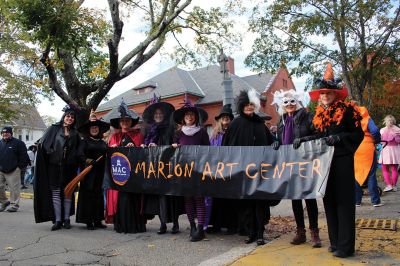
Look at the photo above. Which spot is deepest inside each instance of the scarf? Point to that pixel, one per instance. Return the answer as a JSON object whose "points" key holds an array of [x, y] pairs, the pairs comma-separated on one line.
{"points": [[154, 132], [288, 130], [190, 130]]}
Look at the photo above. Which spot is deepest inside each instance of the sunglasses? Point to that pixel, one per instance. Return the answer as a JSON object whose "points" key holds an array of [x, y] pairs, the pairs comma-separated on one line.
{"points": [[289, 102]]}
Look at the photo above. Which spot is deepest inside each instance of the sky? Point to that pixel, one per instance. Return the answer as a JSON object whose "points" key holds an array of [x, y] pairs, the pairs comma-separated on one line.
{"points": [[133, 35]]}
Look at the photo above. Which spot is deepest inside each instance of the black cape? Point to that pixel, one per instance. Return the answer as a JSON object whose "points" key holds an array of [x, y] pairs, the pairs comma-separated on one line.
{"points": [[48, 153]]}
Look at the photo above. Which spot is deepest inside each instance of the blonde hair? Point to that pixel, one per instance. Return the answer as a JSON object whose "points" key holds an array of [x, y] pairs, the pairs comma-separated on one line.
{"points": [[389, 120], [217, 129]]}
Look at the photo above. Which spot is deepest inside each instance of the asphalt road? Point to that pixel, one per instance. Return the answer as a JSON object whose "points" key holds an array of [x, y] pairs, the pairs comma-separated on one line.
{"points": [[23, 242]]}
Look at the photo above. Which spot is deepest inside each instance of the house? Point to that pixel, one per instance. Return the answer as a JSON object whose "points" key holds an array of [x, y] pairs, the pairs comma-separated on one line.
{"points": [[203, 87], [28, 126]]}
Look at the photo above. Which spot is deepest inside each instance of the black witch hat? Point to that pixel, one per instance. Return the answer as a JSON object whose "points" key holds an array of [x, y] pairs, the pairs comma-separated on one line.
{"points": [[155, 103], [226, 110], [179, 114], [93, 121], [122, 111]]}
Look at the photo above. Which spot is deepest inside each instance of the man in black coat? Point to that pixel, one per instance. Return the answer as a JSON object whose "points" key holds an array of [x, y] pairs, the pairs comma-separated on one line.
{"points": [[13, 158]]}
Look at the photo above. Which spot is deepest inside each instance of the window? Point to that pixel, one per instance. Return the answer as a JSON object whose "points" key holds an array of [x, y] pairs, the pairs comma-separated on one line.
{"points": [[20, 137], [284, 83], [27, 137]]}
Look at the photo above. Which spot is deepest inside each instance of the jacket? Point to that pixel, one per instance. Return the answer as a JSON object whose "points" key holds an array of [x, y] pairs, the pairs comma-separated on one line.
{"points": [[13, 154]]}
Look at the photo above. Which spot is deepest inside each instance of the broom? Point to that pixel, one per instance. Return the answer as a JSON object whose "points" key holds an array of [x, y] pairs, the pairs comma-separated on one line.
{"points": [[69, 189]]}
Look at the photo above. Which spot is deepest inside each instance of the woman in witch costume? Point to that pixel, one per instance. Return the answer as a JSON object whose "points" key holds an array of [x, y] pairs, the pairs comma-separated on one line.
{"points": [[248, 130], [124, 208], [338, 122], [90, 210], [296, 122], [58, 158], [220, 213], [160, 132], [191, 133]]}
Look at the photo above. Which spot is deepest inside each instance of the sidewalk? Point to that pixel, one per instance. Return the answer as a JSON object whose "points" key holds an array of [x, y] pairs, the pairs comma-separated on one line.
{"points": [[373, 247]]}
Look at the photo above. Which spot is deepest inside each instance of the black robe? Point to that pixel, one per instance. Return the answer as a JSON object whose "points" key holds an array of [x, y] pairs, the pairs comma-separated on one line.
{"points": [[53, 169], [252, 215], [168, 208], [90, 207]]}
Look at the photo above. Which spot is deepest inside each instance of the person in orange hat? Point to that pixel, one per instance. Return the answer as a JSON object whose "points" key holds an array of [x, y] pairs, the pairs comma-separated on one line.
{"points": [[338, 123], [365, 160]]}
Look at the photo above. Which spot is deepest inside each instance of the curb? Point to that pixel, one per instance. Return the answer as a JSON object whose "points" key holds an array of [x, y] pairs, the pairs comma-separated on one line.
{"points": [[23, 195]]}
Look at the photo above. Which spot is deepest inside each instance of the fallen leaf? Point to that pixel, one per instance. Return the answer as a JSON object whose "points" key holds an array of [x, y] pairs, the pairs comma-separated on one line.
{"points": [[9, 248], [151, 246]]}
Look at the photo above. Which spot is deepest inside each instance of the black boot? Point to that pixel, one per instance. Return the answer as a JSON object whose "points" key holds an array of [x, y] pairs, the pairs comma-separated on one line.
{"points": [[163, 229], [67, 224], [175, 228], [56, 226], [199, 234], [90, 226], [192, 229], [100, 225]]}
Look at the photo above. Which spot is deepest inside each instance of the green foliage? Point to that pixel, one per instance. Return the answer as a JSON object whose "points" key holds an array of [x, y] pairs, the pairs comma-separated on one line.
{"points": [[306, 34]]}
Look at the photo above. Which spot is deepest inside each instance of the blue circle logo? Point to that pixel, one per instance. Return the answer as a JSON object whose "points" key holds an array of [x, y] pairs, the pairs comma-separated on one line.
{"points": [[120, 168]]}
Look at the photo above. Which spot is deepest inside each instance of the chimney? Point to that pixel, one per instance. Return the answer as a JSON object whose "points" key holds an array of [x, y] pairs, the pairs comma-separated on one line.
{"points": [[231, 65]]}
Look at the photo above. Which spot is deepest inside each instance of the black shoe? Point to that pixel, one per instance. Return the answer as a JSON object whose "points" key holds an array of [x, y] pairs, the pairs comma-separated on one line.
{"points": [[67, 224], [90, 226], [193, 229], [100, 225], [162, 230], [250, 240], [56, 226], [230, 231], [260, 242], [4, 206], [342, 254], [24, 187], [332, 249], [198, 235], [175, 229]]}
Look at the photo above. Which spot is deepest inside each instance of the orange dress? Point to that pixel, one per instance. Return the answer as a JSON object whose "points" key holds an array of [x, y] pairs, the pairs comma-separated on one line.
{"points": [[364, 156]]}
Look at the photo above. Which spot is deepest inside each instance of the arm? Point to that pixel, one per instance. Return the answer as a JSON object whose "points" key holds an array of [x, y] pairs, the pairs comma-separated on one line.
{"points": [[23, 158], [374, 130], [205, 139]]}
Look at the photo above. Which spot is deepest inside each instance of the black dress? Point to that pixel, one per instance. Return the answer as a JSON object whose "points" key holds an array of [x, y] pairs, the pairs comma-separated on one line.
{"points": [[168, 208], [129, 217], [91, 201]]}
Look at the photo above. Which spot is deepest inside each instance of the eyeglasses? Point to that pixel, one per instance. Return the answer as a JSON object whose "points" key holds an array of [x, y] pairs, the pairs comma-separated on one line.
{"points": [[289, 102]]}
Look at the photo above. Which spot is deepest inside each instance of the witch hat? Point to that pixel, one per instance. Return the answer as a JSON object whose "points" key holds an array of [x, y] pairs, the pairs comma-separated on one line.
{"points": [[225, 110], [201, 114], [155, 103]]}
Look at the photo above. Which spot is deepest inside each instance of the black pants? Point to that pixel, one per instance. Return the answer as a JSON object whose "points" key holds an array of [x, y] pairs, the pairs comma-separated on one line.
{"points": [[339, 204], [312, 211]]}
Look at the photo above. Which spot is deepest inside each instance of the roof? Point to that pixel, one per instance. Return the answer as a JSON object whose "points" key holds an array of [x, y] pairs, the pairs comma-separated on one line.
{"points": [[28, 116], [205, 82]]}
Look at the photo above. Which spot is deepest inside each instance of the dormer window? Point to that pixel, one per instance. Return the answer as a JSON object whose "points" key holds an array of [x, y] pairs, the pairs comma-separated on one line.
{"points": [[145, 89]]}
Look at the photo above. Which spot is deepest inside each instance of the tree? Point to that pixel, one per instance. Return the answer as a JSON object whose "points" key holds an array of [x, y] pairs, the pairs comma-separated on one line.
{"points": [[79, 49], [19, 83], [357, 36]]}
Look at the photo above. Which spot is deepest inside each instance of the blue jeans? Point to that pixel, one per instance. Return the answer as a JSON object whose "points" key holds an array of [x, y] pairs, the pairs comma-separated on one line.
{"points": [[372, 186]]}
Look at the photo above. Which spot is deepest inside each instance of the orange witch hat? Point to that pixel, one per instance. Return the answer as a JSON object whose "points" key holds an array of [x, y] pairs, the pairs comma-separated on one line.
{"points": [[328, 83]]}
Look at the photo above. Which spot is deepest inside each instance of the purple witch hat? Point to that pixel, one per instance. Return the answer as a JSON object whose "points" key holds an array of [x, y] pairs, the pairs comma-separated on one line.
{"points": [[154, 104]]}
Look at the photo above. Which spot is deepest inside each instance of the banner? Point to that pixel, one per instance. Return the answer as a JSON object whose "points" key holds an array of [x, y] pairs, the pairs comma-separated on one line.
{"points": [[240, 172]]}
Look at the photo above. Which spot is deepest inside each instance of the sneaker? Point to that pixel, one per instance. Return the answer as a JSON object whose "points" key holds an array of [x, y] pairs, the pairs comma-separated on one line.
{"points": [[358, 204], [377, 204], [13, 208], [394, 188], [388, 188], [4, 206]]}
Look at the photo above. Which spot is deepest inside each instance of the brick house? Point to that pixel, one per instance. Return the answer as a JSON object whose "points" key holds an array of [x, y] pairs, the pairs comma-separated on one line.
{"points": [[203, 87]]}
